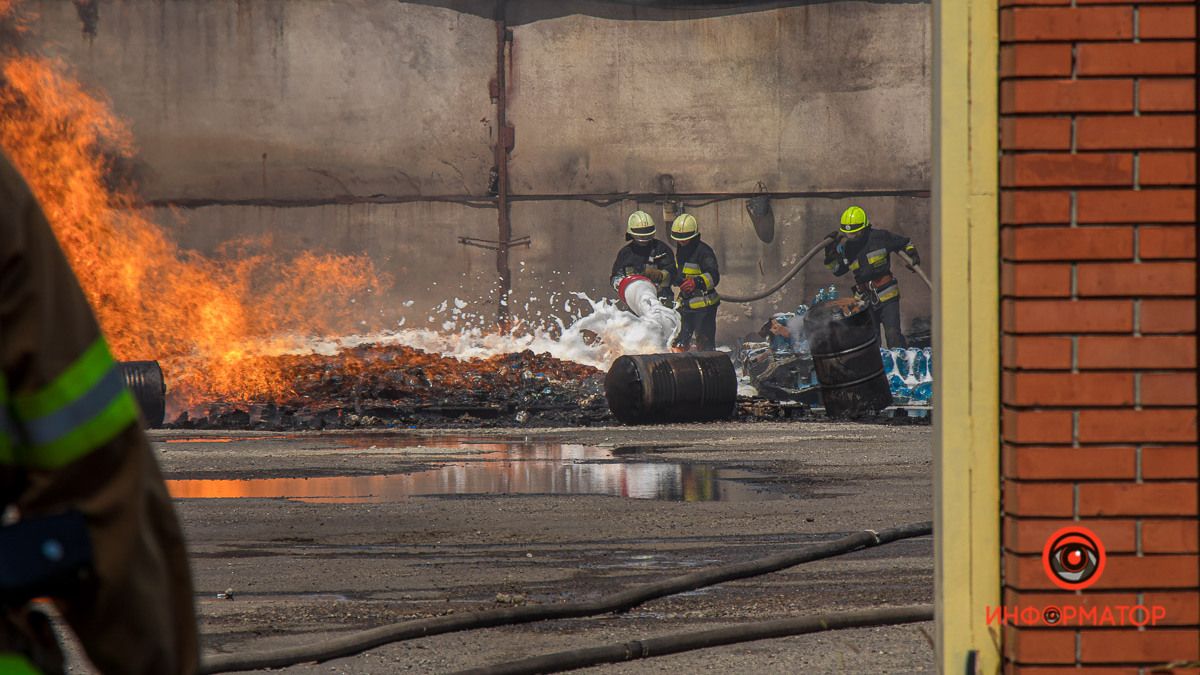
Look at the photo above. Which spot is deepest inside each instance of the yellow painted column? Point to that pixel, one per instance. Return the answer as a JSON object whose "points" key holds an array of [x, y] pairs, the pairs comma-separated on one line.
{"points": [[966, 298]]}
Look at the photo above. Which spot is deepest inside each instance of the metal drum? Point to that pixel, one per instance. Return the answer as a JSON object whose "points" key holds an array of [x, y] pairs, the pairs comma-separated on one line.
{"points": [[145, 380], [663, 388], [845, 350]]}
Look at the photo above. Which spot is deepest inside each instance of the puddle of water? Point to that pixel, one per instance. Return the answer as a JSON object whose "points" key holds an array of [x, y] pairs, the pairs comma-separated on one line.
{"points": [[495, 469]]}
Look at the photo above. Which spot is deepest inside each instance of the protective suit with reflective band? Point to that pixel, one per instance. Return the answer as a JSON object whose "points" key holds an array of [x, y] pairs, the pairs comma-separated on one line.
{"points": [[82, 409], [70, 441], [698, 262]]}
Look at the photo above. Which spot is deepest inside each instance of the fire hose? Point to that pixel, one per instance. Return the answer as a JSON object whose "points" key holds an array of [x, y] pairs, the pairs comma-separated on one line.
{"points": [[683, 642], [804, 261], [786, 277], [407, 630]]}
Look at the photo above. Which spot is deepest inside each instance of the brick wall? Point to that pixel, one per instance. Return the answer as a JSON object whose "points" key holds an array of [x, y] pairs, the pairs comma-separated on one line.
{"points": [[1098, 240]]}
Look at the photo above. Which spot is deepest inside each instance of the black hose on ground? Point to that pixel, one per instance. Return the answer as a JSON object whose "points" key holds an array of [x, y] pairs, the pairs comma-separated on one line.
{"points": [[783, 280], [624, 600], [572, 659]]}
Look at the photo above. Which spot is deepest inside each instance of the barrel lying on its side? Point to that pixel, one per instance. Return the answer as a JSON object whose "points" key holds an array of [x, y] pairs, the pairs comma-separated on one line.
{"points": [[845, 350], [663, 388], [145, 380]]}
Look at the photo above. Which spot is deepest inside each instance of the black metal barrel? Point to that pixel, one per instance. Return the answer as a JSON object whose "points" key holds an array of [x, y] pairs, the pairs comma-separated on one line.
{"points": [[663, 388], [845, 350], [145, 380]]}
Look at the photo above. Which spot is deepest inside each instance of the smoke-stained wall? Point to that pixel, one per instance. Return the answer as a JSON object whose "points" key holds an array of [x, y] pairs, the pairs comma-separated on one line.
{"points": [[280, 118]]}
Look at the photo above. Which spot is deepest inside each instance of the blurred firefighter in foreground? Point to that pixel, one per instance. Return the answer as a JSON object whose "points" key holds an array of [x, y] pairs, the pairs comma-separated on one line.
{"points": [[866, 251], [88, 521], [645, 255], [697, 281]]}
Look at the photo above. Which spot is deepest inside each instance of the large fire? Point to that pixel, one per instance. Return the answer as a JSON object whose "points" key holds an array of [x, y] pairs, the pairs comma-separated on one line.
{"points": [[211, 322]]}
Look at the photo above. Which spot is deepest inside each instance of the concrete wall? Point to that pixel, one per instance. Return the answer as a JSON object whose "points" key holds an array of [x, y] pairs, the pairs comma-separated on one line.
{"points": [[256, 107]]}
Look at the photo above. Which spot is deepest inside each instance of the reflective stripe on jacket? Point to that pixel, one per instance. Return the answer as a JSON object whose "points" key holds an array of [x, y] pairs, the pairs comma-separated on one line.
{"points": [[698, 262]]}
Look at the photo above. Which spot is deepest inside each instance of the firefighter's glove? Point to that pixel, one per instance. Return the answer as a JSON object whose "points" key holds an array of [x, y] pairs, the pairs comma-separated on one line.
{"points": [[688, 286], [911, 252]]}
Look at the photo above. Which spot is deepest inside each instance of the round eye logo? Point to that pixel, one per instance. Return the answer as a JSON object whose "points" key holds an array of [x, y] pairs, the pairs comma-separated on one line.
{"points": [[1073, 558]]}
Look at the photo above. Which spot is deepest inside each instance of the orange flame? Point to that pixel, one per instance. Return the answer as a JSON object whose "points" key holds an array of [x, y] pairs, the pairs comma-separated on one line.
{"points": [[211, 322]]}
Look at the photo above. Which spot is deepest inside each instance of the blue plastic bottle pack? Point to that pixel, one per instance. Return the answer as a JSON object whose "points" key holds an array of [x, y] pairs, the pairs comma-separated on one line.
{"points": [[909, 374]]}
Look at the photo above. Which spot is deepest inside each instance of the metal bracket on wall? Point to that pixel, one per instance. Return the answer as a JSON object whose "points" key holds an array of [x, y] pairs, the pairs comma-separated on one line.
{"points": [[493, 245]]}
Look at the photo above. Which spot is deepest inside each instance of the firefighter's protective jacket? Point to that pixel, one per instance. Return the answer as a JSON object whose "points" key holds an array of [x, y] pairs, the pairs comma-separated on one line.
{"points": [[869, 258], [697, 261], [70, 439], [634, 259]]}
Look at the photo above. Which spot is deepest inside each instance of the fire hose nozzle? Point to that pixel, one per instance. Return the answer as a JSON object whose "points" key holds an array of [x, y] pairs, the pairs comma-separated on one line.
{"points": [[629, 281]]}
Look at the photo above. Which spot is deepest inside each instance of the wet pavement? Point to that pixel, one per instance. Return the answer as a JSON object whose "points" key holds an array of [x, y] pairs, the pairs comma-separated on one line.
{"points": [[332, 532], [470, 467]]}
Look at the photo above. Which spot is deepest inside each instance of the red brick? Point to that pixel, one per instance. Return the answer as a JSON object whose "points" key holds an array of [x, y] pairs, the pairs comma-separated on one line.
{"points": [[1167, 168], [1160, 425], [1131, 646], [1167, 316], [1169, 462], [1014, 3], [1020, 207], [1037, 426], [1061, 170], [1166, 242], [1035, 60], [1035, 280], [1169, 536], [1167, 95], [1062, 96], [1048, 25], [1168, 389], [1070, 243], [1039, 499], [1137, 499], [1029, 535], [1025, 573], [1135, 133], [1104, 352], [1129, 206], [1035, 133], [1135, 279], [1181, 608], [1011, 668], [1067, 316], [1127, 572], [1034, 463], [1040, 646], [1127, 58], [1166, 22], [1069, 389], [1036, 353]]}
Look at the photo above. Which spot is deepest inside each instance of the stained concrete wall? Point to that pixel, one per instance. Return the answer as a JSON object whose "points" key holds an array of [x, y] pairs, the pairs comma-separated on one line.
{"points": [[255, 105]]}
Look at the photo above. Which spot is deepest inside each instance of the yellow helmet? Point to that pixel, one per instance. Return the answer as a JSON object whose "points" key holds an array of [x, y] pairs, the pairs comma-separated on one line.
{"points": [[854, 219], [684, 227], [640, 226]]}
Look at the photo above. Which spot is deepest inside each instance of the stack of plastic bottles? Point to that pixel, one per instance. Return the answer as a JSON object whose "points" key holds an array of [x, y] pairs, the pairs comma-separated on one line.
{"points": [[825, 295], [909, 374]]}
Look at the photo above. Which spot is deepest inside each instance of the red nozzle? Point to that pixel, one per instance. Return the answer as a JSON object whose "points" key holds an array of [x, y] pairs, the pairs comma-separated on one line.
{"points": [[625, 284]]}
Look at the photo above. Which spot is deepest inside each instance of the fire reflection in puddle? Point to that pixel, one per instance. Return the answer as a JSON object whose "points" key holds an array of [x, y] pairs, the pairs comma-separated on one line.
{"points": [[501, 469]]}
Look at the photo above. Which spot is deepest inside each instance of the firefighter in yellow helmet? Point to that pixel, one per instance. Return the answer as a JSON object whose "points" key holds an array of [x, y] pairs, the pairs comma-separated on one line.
{"points": [[645, 255], [95, 530], [697, 280], [866, 251]]}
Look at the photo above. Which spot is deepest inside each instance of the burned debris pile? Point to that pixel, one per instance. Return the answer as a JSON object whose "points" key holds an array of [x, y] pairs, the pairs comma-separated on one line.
{"points": [[381, 386]]}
